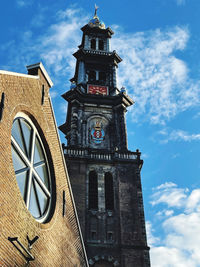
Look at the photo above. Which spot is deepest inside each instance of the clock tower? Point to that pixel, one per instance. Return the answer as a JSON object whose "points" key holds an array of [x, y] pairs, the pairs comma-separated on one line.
{"points": [[104, 173]]}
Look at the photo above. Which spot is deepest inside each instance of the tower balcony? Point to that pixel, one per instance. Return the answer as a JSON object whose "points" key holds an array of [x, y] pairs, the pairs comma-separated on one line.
{"points": [[101, 155], [98, 52]]}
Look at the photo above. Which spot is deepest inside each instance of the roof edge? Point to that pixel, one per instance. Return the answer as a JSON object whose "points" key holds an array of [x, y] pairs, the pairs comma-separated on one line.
{"points": [[5, 72], [40, 65]]}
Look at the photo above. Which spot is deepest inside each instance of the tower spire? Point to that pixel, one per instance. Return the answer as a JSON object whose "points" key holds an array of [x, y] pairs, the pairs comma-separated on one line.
{"points": [[104, 173], [95, 12]]}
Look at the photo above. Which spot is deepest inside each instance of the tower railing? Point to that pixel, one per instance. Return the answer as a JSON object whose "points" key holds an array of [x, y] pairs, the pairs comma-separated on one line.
{"points": [[98, 52], [100, 155]]}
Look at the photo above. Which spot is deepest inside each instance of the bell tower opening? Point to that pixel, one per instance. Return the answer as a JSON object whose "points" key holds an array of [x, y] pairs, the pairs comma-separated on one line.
{"points": [[93, 44], [93, 191], [109, 192], [101, 45]]}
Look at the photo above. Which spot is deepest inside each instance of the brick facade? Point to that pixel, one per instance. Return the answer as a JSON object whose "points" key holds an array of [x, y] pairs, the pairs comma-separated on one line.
{"points": [[59, 242]]}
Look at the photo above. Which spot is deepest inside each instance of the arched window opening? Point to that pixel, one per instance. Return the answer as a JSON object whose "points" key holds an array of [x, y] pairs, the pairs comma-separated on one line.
{"points": [[109, 191], [101, 45], [92, 76], [32, 168], [93, 190], [93, 44], [102, 76]]}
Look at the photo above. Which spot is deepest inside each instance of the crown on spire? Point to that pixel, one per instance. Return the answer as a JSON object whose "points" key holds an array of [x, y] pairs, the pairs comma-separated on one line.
{"points": [[95, 22], [95, 12]]}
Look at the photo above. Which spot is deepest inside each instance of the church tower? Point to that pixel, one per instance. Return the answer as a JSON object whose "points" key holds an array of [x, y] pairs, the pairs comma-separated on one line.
{"points": [[104, 174]]}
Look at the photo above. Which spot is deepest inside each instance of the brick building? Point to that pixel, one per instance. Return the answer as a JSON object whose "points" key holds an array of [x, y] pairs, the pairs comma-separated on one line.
{"points": [[38, 222], [104, 174]]}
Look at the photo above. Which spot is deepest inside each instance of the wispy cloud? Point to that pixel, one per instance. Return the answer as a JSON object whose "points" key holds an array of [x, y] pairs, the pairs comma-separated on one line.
{"points": [[53, 93], [197, 115], [155, 77], [150, 233], [54, 47], [169, 194], [60, 41], [23, 3], [180, 2], [180, 247], [178, 135]]}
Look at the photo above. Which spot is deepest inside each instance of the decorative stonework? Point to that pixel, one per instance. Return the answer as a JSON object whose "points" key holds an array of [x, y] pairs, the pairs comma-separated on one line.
{"points": [[97, 133]]}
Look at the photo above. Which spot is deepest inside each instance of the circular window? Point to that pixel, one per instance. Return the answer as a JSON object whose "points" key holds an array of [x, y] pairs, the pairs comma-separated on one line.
{"points": [[31, 167]]}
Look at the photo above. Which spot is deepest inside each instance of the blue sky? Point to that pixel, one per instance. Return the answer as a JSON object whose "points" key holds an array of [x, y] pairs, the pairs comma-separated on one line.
{"points": [[159, 42]]}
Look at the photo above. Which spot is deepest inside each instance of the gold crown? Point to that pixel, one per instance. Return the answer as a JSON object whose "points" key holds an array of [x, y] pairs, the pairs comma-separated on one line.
{"points": [[98, 125]]}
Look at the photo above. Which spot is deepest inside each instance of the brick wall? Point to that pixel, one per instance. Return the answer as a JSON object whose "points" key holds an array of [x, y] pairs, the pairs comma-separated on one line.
{"points": [[59, 242]]}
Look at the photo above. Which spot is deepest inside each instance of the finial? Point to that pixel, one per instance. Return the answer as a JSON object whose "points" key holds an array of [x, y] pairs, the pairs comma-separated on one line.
{"points": [[95, 13]]}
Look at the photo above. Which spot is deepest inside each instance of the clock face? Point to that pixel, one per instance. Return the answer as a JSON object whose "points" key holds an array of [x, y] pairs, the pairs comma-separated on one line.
{"points": [[97, 89]]}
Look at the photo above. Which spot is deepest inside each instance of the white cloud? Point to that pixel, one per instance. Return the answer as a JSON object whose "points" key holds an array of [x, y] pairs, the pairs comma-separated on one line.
{"points": [[193, 201], [176, 155], [63, 108], [164, 213], [178, 135], [184, 233], [165, 185], [170, 195], [180, 2], [197, 115], [182, 135], [54, 47], [170, 257], [150, 233], [61, 41], [53, 94], [23, 3], [156, 79], [181, 242]]}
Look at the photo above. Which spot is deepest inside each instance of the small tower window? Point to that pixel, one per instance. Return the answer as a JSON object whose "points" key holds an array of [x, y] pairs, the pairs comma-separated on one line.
{"points": [[93, 44], [110, 236], [93, 190], [101, 45], [93, 235], [109, 192], [102, 76], [92, 76]]}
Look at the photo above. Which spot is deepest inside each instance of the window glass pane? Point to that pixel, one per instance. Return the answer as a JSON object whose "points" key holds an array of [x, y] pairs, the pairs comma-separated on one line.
{"points": [[17, 161], [39, 193], [17, 134], [43, 199], [27, 136], [38, 154], [42, 172], [21, 180], [33, 205]]}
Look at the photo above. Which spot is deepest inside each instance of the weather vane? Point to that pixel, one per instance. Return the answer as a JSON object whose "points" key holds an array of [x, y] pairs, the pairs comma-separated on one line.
{"points": [[96, 7]]}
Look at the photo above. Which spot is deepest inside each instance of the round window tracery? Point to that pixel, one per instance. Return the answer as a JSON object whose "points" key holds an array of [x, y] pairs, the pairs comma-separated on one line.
{"points": [[31, 168]]}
